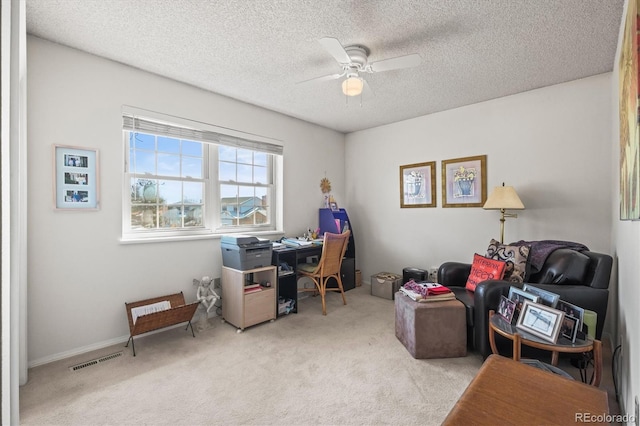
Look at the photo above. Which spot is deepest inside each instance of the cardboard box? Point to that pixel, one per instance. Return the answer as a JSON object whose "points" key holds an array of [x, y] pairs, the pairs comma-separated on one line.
{"points": [[385, 285]]}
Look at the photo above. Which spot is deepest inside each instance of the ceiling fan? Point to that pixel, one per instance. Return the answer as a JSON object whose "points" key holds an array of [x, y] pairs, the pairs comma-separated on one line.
{"points": [[354, 62]]}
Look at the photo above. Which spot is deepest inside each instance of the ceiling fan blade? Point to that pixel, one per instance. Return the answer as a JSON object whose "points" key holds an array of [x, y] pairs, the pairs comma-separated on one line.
{"points": [[333, 46], [406, 61], [322, 78], [369, 89]]}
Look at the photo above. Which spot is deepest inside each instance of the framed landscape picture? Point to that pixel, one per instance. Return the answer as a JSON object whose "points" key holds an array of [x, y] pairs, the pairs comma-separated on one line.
{"points": [[418, 185], [464, 182], [628, 110], [75, 182]]}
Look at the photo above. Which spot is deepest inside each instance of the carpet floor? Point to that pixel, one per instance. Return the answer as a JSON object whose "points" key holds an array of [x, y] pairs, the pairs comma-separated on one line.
{"points": [[346, 368]]}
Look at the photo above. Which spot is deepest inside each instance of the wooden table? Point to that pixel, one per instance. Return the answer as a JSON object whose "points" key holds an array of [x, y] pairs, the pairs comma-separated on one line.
{"points": [[508, 392], [498, 325]]}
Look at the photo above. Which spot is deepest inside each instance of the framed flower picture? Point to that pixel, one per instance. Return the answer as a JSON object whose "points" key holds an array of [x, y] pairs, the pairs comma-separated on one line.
{"points": [[418, 185], [464, 182]]}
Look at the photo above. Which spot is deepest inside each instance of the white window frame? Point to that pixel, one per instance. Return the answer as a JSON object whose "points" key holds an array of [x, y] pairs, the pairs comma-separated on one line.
{"points": [[143, 121]]}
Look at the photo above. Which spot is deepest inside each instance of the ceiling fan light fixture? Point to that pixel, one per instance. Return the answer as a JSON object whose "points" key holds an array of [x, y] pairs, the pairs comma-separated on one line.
{"points": [[352, 86]]}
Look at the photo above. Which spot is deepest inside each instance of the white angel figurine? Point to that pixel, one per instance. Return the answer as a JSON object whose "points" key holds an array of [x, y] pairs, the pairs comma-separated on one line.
{"points": [[205, 294]]}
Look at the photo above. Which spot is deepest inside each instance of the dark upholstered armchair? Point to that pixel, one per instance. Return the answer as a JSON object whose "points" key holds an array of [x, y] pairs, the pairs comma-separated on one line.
{"points": [[580, 278]]}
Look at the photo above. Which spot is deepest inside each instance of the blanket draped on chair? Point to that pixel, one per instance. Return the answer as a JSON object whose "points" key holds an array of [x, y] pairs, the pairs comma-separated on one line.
{"points": [[540, 250]]}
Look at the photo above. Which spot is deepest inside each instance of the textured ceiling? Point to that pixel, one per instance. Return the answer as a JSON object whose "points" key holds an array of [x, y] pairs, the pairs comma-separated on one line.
{"points": [[257, 51]]}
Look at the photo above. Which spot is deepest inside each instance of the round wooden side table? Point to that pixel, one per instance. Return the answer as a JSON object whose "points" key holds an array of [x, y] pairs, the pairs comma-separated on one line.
{"points": [[497, 324]]}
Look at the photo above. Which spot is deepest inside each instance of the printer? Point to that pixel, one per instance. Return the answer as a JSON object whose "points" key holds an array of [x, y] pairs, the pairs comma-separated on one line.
{"points": [[245, 252]]}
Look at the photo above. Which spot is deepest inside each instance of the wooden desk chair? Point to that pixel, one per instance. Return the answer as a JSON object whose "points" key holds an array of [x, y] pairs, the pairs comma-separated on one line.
{"points": [[333, 249]]}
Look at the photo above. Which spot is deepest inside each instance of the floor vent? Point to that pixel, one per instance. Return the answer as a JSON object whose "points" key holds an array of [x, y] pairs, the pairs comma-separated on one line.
{"points": [[95, 361]]}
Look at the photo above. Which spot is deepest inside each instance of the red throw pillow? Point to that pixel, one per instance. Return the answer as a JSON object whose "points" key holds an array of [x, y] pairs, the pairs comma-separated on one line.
{"points": [[484, 269]]}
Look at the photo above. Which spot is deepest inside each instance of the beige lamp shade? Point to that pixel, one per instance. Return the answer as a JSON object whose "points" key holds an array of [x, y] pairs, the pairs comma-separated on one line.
{"points": [[503, 197]]}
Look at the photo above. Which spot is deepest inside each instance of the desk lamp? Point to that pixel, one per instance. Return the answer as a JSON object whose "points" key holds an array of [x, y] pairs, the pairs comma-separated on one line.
{"points": [[503, 198]]}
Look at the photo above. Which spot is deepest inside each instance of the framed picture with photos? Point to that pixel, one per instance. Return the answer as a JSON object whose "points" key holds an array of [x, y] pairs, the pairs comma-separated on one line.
{"points": [[76, 178]]}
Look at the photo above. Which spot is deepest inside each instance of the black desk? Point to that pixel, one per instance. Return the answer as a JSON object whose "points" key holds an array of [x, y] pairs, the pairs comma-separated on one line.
{"points": [[292, 256]]}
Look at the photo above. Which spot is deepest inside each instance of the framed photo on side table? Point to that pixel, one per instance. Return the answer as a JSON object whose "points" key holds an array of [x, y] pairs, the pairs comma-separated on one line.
{"points": [[464, 182], [572, 311], [519, 296], [569, 328], [546, 297], [506, 308], [76, 178], [541, 321], [418, 185]]}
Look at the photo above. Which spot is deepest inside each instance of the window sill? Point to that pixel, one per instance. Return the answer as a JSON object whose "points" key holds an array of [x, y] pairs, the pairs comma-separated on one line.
{"points": [[133, 239]]}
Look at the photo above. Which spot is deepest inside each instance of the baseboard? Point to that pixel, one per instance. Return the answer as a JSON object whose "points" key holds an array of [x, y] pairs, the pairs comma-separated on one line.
{"points": [[78, 351], [100, 345]]}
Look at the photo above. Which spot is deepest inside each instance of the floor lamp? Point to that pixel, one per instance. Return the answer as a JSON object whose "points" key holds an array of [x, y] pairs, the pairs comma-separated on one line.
{"points": [[503, 198]]}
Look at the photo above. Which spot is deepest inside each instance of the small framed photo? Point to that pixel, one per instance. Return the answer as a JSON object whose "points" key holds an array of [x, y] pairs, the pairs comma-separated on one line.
{"points": [[519, 296], [506, 308], [464, 182], [333, 206], [572, 311], [569, 328], [546, 297], [76, 178], [541, 321], [418, 185]]}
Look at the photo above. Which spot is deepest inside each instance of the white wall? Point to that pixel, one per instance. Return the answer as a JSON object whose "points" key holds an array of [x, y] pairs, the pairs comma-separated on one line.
{"points": [[80, 276], [552, 145]]}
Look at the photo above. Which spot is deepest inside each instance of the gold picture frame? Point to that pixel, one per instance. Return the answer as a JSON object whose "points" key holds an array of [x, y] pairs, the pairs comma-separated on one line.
{"points": [[464, 182], [418, 185]]}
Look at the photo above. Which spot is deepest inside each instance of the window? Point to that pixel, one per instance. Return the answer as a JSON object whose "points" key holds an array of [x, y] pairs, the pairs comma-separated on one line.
{"points": [[244, 187], [182, 178], [167, 182]]}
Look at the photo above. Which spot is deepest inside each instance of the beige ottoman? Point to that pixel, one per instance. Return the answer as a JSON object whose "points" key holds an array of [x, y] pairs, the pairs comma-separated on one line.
{"points": [[431, 329]]}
